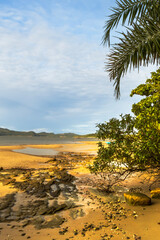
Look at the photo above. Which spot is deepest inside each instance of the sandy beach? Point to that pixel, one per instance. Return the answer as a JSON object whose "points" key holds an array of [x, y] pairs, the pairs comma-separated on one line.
{"points": [[81, 212], [10, 159]]}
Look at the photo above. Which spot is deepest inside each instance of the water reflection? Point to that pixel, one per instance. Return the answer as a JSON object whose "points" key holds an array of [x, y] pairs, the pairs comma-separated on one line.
{"points": [[37, 151]]}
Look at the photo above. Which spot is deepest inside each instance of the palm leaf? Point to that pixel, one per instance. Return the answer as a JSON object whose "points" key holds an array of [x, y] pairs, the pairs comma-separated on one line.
{"points": [[131, 10], [139, 46]]}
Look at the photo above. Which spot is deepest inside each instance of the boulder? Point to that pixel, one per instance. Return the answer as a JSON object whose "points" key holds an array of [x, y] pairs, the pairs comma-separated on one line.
{"points": [[155, 193], [137, 198]]}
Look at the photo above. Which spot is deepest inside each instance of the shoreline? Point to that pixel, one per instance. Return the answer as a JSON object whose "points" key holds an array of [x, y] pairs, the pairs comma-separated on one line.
{"points": [[11, 159]]}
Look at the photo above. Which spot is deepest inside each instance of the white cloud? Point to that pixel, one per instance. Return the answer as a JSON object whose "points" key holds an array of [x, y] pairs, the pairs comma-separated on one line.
{"points": [[43, 58], [38, 130]]}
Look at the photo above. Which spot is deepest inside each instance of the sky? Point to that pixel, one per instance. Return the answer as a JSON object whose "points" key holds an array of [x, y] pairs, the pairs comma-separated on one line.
{"points": [[52, 67]]}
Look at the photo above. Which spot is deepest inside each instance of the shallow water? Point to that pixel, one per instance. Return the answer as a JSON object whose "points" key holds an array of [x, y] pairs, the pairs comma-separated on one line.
{"points": [[21, 140], [37, 151]]}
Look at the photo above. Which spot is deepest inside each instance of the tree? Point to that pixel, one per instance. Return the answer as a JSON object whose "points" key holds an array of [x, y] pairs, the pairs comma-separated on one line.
{"points": [[147, 122], [135, 141], [140, 44]]}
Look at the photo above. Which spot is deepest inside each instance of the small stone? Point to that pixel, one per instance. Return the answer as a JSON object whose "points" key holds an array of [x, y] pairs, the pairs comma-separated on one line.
{"points": [[114, 226], [75, 232]]}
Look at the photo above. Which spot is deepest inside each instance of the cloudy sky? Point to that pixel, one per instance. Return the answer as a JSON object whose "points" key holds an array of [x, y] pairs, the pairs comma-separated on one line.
{"points": [[52, 74]]}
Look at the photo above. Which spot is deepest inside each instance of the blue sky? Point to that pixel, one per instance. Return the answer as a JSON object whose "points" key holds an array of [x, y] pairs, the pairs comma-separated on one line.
{"points": [[52, 66]]}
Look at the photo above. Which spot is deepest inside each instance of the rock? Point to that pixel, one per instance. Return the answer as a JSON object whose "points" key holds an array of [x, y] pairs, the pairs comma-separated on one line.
{"points": [[62, 186], [42, 209], [66, 177], [56, 221], [114, 226], [48, 184], [25, 223], [38, 221], [8, 181], [155, 193], [137, 198], [7, 201], [55, 190], [6, 213], [55, 207], [40, 194], [63, 231], [75, 213], [23, 234]]}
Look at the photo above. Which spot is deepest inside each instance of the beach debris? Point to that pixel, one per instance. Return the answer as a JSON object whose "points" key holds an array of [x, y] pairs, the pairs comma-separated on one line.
{"points": [[137, 198]]}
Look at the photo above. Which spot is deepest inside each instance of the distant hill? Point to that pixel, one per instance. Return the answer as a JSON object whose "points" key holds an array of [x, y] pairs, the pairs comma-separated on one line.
{"points": [[7, 132], [91, 135]]}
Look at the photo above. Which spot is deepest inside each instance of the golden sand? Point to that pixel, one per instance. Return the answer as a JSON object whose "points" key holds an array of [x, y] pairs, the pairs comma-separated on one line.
{"points": [[10, 159], [146, 225]]}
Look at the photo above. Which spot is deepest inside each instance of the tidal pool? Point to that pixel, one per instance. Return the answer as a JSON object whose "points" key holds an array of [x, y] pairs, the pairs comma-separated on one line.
{"points": [[37, 151]]}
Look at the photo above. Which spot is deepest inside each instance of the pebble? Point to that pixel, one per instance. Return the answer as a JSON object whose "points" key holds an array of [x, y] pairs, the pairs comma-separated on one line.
{"points": [[23, 234]]}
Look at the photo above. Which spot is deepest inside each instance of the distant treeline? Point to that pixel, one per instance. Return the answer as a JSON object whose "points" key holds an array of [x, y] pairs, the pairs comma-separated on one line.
{"points": [[7, 132]]}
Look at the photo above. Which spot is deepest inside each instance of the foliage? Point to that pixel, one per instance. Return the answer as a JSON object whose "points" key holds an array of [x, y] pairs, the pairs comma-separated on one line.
{"points": [[135, 141], [114, 161], [147, 112], [140, 45]]}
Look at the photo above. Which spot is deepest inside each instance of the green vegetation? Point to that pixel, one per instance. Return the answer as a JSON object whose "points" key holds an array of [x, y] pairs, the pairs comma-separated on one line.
{"points": [[139, 44], [135, 141], [147, 122]]}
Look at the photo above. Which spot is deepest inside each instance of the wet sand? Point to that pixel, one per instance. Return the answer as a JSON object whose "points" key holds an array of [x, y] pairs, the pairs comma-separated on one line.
{"points": [[10, 159], [127, 222]]}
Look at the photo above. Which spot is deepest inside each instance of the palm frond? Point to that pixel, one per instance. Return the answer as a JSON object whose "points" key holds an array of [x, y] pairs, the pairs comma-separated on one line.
{"points": [[139, 46], [127, 10]]}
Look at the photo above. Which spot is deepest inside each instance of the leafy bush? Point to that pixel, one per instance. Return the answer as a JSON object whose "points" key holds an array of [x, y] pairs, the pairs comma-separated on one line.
{"points": [[134, 141]]}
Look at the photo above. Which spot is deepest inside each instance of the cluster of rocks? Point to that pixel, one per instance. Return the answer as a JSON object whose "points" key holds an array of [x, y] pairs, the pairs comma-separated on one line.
{"points": [[41, 195], [45, 193]]}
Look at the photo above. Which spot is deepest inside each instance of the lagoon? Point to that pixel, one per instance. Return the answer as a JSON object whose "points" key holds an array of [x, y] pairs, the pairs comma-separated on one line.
{"points": [[37, 151]]}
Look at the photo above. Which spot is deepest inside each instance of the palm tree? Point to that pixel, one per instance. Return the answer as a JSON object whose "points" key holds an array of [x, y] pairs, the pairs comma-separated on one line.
{"points": [[140, 44]]}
